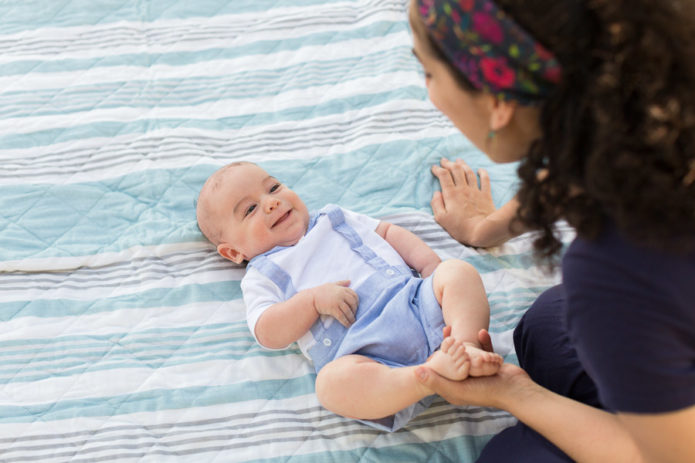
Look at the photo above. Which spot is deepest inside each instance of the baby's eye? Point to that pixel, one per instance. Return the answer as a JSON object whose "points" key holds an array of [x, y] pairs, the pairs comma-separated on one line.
{"points": [[275, 187], [250, 209]]}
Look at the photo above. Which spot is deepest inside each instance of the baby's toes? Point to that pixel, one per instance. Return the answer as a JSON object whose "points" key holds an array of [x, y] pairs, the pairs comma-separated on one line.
{"points": [[446, 344]]}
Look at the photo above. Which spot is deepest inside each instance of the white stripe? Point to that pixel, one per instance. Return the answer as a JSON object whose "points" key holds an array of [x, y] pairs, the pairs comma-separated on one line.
{"points": [[285, 23], [121, 144], [218, 67], [214, 110], [222, 415], [95, 293], [104, 383], [438, 126], [57, 264], [123, 321], [503, 342]]}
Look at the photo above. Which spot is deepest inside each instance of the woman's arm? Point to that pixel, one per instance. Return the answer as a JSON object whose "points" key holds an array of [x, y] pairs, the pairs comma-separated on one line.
{"points": [[412, 249], [666, 437], [585, 433], [467, 211]]}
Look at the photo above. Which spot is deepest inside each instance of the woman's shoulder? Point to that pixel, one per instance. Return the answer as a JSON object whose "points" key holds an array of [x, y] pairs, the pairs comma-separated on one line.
{"points": [[612, 279], [631, 318], [612, 253]]}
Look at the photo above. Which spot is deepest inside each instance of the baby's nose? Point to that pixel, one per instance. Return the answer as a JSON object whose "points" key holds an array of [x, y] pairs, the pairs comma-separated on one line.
{"points": [[271, 204]]}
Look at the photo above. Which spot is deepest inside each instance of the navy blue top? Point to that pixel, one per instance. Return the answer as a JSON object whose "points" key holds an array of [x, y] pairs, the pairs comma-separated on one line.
{"points": [[631, 318]]}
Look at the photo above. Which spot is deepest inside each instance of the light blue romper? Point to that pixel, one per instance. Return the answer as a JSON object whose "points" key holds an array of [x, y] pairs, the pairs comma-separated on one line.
{"points": [[398, 322]]}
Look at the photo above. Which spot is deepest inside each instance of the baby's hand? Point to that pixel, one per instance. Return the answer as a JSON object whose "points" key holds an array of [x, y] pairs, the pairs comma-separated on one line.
{"points": [[336, 300]]}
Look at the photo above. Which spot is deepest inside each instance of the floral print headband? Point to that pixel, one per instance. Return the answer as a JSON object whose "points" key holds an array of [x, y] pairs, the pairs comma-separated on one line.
{"points": [[491, 49]]}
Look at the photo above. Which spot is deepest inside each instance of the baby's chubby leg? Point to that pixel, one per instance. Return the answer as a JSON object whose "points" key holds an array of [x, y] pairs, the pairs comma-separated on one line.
{"points": [[359, 387], [460, 292]]}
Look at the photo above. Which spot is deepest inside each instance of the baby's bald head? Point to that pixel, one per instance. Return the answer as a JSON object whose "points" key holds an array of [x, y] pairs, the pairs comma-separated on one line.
{"points": [[207, 209]]}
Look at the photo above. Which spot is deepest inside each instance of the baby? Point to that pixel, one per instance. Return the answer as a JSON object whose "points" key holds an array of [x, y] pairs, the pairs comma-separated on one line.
{"points": [[341, 285]]}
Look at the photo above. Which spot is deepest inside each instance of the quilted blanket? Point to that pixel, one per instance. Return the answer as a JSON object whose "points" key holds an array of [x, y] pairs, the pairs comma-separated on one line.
{"points": [[122, 332]]}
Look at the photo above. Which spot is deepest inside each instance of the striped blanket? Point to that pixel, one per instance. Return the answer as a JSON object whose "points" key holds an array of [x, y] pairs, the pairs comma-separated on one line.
{"points": [[122, 332]]}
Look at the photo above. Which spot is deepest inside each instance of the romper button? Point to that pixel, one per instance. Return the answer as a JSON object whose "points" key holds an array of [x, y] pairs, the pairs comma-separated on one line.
{"points": [[327, 342], [390, 272]]}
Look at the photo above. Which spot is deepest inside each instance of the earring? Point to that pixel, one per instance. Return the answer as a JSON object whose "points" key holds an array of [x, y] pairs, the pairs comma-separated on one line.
{"points": [[491, 134]]}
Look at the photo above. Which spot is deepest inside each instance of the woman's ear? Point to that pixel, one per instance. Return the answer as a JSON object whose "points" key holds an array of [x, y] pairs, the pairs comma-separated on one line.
{"points": [[501, 112], [228, 252]]}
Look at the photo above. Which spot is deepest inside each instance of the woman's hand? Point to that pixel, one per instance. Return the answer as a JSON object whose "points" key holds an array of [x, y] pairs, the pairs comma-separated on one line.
{"points": [[461, 207], [508, 384]]}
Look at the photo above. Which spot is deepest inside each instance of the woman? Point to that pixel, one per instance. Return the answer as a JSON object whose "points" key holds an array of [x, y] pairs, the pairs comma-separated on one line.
{"points": [[596, 100]]}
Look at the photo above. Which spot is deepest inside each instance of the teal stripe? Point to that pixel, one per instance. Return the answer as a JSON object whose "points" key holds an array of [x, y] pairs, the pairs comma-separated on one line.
{"points": [[490, 263], [152, 298], [509, 323], [159, 399], [157, 206], [113, 129], [528, 291], [200, 90], [512, 358], [498, 301], [20, 15], [179, 58], [153, 362], [164, 348]]}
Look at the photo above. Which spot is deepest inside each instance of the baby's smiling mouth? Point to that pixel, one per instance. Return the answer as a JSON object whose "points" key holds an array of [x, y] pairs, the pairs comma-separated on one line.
{"points": [[282, 218]]}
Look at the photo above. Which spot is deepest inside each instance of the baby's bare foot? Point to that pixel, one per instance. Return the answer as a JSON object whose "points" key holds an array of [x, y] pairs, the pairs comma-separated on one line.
{"points": [[483, 363], [451, 360]]}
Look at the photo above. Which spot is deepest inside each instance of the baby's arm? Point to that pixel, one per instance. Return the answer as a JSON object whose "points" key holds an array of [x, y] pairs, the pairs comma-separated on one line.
{"points": [[412, 249], [285, 322]]}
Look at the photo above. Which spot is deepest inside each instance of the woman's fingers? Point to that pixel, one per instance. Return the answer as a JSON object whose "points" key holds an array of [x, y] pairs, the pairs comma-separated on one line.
{"points": [[484, 181], [444, 177], [467, 172], [485, 340], [437, 205], [456, 170], [456, 173], [438, 384]]}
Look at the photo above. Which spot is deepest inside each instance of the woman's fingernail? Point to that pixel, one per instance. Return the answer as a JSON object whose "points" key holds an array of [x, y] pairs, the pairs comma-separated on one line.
{"points": [[421, 373]]}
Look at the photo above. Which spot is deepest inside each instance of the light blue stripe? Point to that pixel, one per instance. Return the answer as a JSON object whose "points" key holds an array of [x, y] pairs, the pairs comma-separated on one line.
{"points": [[509, 323], [180, 58], [201, 90], [160, 297], [502, 304], [489, 263], [20, 15], [112, 129], [527, 291], [115, 351], [157, 206], [512, 358], [159, 399], [154, 362]]}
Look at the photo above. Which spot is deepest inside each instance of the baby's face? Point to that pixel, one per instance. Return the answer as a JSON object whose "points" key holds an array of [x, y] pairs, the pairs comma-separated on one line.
{"points": [[257, 213]]}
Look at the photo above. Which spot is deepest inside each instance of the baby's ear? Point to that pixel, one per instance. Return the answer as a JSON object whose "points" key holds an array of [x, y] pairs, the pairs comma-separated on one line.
{"points": [[228, 252]]}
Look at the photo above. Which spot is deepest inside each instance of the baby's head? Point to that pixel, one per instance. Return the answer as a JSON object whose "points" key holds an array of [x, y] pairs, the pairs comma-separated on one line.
{"points": [[246, 212]]}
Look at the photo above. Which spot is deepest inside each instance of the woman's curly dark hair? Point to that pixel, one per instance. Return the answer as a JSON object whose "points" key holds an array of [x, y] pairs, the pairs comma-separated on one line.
{"points": [[618, 133]]}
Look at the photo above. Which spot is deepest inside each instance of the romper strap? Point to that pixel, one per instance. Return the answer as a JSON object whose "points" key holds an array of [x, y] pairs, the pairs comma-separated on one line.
{"points": [[275, 273], [337, 218]]}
